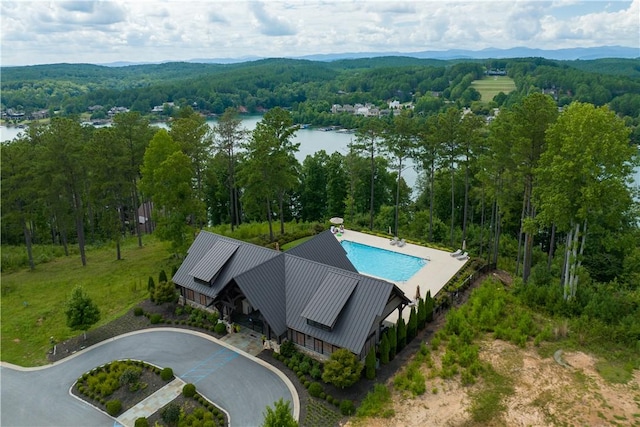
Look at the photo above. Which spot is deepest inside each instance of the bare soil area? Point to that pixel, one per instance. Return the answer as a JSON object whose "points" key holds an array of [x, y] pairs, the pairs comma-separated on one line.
{"points": [[546, 394]]}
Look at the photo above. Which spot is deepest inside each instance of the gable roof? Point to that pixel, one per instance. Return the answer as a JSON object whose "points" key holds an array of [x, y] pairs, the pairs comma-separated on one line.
{"points": [[329, 299], [325, 249], [213, 261], [290, 289], [246, 257]]}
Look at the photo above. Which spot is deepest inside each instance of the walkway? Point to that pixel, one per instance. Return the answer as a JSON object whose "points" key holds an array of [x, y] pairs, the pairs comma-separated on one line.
{"points": [[152, 404]]}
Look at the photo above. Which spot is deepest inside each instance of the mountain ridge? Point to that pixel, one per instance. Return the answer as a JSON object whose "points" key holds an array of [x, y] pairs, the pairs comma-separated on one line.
{"points": [[579, 53]]}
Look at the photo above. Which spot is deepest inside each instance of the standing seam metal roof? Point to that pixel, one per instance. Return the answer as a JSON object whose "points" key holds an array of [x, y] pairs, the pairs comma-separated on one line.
{"points": [[284, 285]]}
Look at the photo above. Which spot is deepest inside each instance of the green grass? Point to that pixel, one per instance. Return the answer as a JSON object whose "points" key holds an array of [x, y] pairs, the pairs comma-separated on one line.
{"points": [[488, 403], [33, 302], [295, 243], [492, 85], [614, 373]]}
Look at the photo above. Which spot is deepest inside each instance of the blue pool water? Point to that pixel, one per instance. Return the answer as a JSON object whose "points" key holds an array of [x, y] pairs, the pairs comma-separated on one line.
{"points": [[381, 263]]}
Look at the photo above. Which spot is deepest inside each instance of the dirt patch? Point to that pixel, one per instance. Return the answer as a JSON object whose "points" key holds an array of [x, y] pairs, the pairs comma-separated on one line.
{"points": [[546, 394]]}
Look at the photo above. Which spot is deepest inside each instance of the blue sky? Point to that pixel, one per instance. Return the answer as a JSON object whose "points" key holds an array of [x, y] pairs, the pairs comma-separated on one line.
{"points": [[84, 31]]}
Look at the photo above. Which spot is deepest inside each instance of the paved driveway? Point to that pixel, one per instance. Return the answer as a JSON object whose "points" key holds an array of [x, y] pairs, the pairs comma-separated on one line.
{"points": [[241, 384]]}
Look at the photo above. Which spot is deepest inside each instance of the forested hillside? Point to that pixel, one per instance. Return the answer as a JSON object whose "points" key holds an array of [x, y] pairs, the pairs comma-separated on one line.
{"points": [[310, 86]]}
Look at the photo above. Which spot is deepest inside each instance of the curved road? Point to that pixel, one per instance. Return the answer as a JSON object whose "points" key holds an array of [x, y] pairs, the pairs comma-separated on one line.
{"points": [[240, 383]]}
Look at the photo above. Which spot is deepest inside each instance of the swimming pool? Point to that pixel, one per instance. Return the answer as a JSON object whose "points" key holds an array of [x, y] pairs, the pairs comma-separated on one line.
{"points": [[382, 263]]}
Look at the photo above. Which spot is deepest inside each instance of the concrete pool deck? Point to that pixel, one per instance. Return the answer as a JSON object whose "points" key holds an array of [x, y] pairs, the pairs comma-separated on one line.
{"points": [[441, 266]]}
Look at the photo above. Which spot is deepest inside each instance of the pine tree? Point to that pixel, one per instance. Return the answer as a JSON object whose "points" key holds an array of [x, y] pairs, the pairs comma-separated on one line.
{"points": [[429, 305], [412, 327], [402, 334], [384, 349], [422, 314], [393, 342], [370, 364]]}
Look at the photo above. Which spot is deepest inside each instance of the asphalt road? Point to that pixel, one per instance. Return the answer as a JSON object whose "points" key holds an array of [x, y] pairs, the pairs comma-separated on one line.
{"points": [[241, 384]]}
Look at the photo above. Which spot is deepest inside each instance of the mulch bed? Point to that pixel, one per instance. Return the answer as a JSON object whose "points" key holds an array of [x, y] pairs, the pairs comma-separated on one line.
{"points": [[127, 398]]}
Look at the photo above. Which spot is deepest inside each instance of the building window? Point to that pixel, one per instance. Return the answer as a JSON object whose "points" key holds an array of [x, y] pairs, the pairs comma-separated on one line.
{"points": [[189, 295], [203, 299], [317, 345], [298, 338], [318, 325]]}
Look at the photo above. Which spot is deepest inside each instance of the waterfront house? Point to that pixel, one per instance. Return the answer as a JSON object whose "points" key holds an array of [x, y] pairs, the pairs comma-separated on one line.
{"points": [[311, 294]]}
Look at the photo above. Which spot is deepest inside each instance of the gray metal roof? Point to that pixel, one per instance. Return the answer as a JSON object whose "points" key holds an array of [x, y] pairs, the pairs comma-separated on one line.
{"points": [[336, 288], [288, 288], [325, 249], [353, 324], [264, 287], [246, 257], [215, 258]]}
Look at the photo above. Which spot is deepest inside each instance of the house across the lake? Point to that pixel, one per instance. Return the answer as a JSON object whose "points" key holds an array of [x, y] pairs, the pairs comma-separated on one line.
{"points": [[311, 294]]}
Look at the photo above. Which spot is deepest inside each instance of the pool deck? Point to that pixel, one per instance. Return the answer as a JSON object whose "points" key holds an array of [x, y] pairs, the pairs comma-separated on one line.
{"points": [[441, 266]]}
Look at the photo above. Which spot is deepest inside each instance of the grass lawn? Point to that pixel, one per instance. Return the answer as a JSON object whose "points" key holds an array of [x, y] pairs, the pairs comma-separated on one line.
{"points": [[490, 86], [33, 303]]}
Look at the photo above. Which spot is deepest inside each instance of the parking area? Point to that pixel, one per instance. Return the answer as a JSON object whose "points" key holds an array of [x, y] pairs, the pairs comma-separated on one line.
{"points": [[240, 383]]}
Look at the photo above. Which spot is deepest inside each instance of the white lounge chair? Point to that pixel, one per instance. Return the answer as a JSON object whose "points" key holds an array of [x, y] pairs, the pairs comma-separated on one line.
{"points": [[401, 243], [456, 253], [394, 241], [463, 256]]}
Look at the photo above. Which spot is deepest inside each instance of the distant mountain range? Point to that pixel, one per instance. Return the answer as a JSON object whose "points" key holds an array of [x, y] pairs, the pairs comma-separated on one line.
{"points": [[580, 53]]}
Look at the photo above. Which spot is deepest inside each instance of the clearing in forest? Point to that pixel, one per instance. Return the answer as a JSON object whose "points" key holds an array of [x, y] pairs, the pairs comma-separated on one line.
{"points": [[490, 86]]}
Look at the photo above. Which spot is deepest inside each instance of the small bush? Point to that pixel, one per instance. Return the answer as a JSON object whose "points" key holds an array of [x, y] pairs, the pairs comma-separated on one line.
{"points": [[170, 414], [287, 348], [189, 390], [114, 407], [155, 318], [347, 407], [138, 311], [141, 422], [221, 328], [166, 374], [315, 389]]}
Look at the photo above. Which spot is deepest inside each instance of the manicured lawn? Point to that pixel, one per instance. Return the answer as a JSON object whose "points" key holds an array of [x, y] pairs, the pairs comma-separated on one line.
{"points": [[492, 85], [33, 303]]}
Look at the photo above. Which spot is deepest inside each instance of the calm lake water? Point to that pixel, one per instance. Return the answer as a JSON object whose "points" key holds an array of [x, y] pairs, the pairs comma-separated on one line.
{"points": [[311, 141]]}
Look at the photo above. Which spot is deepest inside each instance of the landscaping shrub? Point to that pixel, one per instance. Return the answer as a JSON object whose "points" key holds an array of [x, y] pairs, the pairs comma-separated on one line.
{"points": [[114, 407], [402, 334], [316, 371], [189, 390], [370, 364], [377, 403], [166, 374], [221, 328], [165, 292], [347, 407], [287, 349], [155, 318], [384, 349], [130, 376], [141, 422], [393, 342], [170, 414], [343, 369], [315, 389], [162, 277], [138, 311]]}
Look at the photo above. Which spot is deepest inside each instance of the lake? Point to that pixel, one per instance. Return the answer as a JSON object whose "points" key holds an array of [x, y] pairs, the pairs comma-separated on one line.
{"points": [[311, 141]]}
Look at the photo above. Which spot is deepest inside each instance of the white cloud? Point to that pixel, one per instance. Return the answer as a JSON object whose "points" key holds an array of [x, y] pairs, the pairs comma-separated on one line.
{"points": [[99, 31]]}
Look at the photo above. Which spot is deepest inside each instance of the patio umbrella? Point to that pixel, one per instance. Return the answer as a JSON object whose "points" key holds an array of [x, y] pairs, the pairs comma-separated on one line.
{"points": [[418, 292], [336, 220]]}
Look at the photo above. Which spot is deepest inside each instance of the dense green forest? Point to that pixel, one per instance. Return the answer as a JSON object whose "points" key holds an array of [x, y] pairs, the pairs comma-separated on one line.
{"points": [[544, 192], [309, 88]]}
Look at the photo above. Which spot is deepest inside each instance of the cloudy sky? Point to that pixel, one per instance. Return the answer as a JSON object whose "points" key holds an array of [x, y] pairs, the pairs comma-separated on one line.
{"points": [[41, 32]]}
